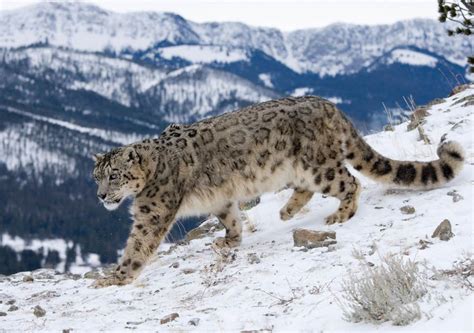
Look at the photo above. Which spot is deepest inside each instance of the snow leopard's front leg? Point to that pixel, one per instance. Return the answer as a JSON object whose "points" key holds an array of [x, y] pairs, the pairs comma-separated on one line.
{"points": [[153, 217]]}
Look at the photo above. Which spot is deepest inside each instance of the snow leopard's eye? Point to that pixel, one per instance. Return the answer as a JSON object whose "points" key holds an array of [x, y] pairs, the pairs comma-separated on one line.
{"points": [[113, 176]]}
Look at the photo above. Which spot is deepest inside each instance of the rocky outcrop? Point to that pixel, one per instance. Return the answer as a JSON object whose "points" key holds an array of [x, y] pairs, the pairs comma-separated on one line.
{"points": [[311, 238]]}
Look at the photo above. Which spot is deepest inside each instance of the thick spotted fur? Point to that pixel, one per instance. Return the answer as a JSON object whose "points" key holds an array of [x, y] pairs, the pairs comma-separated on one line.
{"points": [[209, 166]]}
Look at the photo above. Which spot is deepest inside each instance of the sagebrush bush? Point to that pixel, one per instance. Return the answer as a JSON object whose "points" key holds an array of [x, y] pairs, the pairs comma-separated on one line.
{"points": [[388, 292]]}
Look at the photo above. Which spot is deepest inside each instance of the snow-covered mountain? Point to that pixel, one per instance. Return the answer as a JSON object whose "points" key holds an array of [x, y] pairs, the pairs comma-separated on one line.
{"points": [[183, 95], [268, 284], [114, 78], [336, 49], [195, 92]]}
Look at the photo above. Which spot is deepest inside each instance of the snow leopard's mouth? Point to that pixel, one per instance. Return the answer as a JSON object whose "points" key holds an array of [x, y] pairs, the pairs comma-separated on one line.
{"points": [[112, 204]]}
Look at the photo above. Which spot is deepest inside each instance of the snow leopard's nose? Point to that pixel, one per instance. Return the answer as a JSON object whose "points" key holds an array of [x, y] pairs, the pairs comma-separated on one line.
{"points": [[101, 195]]}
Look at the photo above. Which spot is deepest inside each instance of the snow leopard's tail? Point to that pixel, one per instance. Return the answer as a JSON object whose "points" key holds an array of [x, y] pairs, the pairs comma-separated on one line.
{"points": [[408, 174]]}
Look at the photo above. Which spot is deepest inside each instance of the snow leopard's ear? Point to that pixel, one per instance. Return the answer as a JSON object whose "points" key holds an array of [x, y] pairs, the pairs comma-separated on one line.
{"points": [[131, 156], [97, 157]]}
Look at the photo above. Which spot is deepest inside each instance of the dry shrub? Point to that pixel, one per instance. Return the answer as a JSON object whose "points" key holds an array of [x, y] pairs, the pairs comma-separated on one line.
{"points": [[388, 292]]}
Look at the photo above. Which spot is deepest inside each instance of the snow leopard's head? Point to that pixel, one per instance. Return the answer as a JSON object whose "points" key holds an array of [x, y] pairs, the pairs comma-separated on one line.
{"points": [[118, 174]]}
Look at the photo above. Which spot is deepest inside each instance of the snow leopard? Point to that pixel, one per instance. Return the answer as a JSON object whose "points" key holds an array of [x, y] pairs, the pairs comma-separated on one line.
{"points": [[208, 167]]}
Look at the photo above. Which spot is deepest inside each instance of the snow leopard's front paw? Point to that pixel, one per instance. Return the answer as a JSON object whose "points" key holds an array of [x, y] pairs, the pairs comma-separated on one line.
{"points": [[225, 242], [338, 217], [112, 280]]}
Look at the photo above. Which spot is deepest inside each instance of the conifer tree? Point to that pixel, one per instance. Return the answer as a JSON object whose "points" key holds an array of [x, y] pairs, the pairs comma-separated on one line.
{"points": [[462, 13]]}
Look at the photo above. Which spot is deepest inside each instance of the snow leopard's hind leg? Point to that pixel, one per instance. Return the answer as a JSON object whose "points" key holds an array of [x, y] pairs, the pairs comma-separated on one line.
{"points": [[229, 216], [345, 187], [298, 200]]}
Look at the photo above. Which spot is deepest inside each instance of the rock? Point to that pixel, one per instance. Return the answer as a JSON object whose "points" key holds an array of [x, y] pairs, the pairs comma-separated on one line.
{"points": [[10, 302], [38, 311], [12, 308], [311, 239], [169, 318], [443, 231], [424, 244], [456, 196], [174, 265], [194, 322], [3, 314], [44, 273], [252, 258], [467, 100], [94, 274], [109, 269], [417, 117], [169, 251], [419, 114], [188, 270], [407, 209], [204, 229], [28, 278], [436, 101], [74, 277], [458, 89], [388, 128]]}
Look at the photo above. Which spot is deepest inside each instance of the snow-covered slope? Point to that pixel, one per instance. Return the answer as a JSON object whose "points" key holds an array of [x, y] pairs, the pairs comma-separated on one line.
{"points": [[82, 263], [267, 283], [18, 150], [346, 48], [76, 24], [194, 92], [182, 95], [203, 54], [116, 79], [413, 58], [336, 49]]}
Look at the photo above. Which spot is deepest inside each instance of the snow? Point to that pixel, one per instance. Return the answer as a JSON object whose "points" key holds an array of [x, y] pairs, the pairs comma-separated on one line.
{"points": [[412, 58], [309, 91], [113, 136], [121, 80], [204, 89], [42, 246], [302, 91], [347, 48], [88, 27], [203, 54], [19, 151], [336, 49], [337, 100], [290, 289], [113, 78], [266, 79]]}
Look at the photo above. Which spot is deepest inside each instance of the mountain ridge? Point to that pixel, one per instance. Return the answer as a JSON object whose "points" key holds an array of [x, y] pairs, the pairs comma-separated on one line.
{"points": [[303, 50]]}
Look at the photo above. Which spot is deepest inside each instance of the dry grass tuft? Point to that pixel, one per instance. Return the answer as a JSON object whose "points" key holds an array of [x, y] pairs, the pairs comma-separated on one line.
{"points": [[388, 292]]}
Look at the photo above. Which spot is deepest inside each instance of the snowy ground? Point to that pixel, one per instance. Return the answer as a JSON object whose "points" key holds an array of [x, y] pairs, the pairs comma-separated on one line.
{"points": [[285, 288]]}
